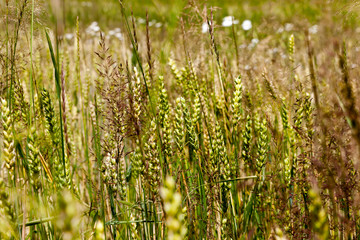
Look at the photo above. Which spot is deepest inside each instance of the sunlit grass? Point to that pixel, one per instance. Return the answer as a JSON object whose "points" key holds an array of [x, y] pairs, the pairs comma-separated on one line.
{"points": [[179, 120]]}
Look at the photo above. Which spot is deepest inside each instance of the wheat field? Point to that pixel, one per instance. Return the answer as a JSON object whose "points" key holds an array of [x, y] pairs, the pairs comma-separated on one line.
{"points": [[179, 119]]}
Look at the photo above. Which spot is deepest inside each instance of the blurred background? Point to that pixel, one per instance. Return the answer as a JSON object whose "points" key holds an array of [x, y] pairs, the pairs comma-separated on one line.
{"points": [[107, 13]]}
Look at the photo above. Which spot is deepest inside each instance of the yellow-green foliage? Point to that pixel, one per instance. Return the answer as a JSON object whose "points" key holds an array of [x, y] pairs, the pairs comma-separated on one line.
{"points": [[179, 123]]}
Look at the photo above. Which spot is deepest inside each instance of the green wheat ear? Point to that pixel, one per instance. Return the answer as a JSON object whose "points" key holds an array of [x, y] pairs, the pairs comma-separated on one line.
{"points": [[237, 104], [122, 176], [164, 118], [247, 139], [8, 141], [51, 124], [137, 166], [262, 146], [191, 137], [33, 159], [291, 48], [197, 110], [99, 230], [179, 125], [175, 72], [7, 214], [152, 157], [109, 172], [176, 230], [318, 215], [220, 152]]}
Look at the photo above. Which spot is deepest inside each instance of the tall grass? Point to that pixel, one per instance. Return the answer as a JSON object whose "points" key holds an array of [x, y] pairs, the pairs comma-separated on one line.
{"points": [[231, 133]]}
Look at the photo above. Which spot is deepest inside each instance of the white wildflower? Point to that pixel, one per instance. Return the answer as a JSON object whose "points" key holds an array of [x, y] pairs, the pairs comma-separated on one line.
{"points": [[152, 22], [275, 50], [204, 27], [141, 20], [93, 29], [119, 36], [314, 29], [228, 21], [242, 46], [86, 4], [246, 25], [69, 36], [253, 43], [289, 27]]}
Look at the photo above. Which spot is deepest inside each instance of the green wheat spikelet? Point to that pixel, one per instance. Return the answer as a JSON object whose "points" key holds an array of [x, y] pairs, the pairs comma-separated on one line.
{"points": [[136, 163], [51, 124], [288, 140], [7, 214], [110, 172], [318, 216], [197, 110], [175, 71], [164, 115], [220, 152], [176, 230], [262, 146], [8, 140], [122, 176], [247, 138], [179, 125], [33, 159], [191, 137], [236, 104], [291, 48], [152, 157]]}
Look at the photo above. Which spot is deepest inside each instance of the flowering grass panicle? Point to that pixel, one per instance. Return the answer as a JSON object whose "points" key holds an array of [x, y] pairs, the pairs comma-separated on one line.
{"points": [[274, 156]]}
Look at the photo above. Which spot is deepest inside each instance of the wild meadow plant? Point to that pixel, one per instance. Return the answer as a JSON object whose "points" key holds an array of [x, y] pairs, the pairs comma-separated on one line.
{"points": [[179, 133]]}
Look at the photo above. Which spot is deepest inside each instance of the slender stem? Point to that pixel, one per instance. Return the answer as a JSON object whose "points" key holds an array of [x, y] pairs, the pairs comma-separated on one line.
{"points": [[31, 59]]}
